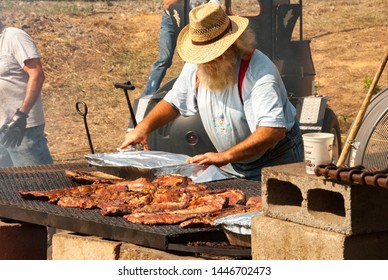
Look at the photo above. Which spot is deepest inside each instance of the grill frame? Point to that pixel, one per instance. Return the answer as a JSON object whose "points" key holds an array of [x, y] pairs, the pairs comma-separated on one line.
{"points": [[90, 221]]}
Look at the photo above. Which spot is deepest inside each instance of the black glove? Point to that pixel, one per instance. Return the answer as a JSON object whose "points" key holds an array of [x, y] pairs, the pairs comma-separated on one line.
{"points": [[13, 131]]}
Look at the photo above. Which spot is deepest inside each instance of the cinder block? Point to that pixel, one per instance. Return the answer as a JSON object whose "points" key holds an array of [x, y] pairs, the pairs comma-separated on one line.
{"points": [[274, 239], [73, 246], [133, 252], [288, 193], [22, 241]]}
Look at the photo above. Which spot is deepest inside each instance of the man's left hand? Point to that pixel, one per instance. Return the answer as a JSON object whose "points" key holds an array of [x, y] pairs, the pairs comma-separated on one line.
{"points": [[13, 131], [217, 159]]}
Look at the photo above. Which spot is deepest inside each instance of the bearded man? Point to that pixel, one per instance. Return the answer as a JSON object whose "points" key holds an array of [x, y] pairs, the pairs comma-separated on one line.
{"points": [[246, 113]]}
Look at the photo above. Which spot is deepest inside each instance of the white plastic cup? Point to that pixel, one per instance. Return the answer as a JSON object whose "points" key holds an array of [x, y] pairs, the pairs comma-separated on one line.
{"points": [[318, 149]]}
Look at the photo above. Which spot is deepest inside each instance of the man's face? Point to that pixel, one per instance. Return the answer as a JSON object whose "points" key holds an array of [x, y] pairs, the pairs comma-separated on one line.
{"points": [[219, 73]]}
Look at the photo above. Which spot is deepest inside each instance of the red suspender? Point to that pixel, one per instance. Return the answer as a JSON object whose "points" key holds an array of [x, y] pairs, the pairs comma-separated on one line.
{"points": [[243, 69]]}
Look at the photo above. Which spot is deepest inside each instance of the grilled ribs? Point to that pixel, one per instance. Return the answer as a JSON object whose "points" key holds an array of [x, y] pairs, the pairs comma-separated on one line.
{"points": [[168, 199], [87, 178]]}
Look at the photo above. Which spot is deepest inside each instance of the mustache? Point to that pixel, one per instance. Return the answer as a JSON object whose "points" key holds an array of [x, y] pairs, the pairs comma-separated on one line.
{"points": [[220, 73]]}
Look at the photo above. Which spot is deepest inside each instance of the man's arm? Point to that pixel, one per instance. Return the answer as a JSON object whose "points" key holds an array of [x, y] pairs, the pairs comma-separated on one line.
{"points": [[257, 143], [33, 68], [168, 3], [160, 115]]}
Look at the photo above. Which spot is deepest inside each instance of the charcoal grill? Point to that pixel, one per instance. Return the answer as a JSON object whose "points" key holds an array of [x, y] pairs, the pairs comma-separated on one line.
{"points": [[91, 222]]}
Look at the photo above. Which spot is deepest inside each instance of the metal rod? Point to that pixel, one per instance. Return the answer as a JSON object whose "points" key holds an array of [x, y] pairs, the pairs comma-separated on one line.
{"points": [[125, 87], [301, 21], [133, 117], [83, 113]]}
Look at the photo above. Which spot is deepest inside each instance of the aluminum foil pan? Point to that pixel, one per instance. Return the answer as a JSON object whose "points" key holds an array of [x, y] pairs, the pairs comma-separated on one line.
{"points": [[150, 164], [237, 228]]}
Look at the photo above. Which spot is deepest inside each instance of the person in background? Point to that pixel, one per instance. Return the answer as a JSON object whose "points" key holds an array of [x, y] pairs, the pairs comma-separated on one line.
{"points": [[22, 122], [167, 45], [246, 113]]}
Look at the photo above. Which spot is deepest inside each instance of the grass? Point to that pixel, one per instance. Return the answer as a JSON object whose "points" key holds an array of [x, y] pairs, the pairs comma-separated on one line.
{"points": [[368, 83], [76, 8]]}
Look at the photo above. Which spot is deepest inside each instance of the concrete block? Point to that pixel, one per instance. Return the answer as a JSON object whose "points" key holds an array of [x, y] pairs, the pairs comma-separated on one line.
{"points": [[274, 239], [73, 246], [134, 252], [22, 241], [288, 193]]}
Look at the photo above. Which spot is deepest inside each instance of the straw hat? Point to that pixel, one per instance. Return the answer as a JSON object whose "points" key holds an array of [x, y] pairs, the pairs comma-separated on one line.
{"points": [[209, 34]]}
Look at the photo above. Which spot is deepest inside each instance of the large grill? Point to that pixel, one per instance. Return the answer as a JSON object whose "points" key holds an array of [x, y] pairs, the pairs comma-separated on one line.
{"points": [[91, 222]]}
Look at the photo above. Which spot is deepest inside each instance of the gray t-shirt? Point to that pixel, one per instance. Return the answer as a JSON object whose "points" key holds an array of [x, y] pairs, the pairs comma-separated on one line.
{"points": [[16, 46]]}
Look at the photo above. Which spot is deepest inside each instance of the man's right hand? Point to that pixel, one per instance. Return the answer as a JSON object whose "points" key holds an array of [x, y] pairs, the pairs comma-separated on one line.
{"points": [[132, 138], [13, 131]]}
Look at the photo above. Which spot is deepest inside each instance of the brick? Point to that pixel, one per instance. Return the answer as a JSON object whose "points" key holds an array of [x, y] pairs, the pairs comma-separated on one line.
{"points": [[274, 239], [290, 194], [22, 241]]}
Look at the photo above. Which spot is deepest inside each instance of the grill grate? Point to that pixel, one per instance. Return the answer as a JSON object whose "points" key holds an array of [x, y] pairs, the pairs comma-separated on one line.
{"points": [[91, 222], [377, 147]]}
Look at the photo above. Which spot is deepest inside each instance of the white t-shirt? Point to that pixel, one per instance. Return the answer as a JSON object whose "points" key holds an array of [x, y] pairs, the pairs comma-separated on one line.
{"points": [[265, 102], [16, 46]]}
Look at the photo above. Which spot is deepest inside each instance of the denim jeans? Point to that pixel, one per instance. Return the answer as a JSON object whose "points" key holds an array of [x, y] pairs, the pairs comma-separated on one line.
{"points": [[167, 44], [288, 150], [32, 151]]}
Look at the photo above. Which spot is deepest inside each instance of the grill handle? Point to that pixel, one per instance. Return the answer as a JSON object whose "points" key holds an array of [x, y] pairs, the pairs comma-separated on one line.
{"points": [[83, 111], [125, 87]]}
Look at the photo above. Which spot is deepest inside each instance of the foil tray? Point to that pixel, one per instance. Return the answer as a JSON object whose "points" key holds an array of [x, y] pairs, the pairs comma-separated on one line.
{"points": [[150, 164]]}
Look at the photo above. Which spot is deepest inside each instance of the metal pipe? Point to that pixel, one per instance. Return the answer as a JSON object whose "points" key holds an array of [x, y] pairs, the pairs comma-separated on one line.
{"points": [[301, 21]]}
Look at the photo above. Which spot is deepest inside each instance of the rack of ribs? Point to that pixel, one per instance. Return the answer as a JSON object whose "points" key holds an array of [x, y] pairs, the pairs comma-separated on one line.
{"points": [[168, 199]]}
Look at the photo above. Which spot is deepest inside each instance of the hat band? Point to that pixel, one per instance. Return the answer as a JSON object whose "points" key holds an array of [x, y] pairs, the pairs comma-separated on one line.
{"points": [[228, 28]]}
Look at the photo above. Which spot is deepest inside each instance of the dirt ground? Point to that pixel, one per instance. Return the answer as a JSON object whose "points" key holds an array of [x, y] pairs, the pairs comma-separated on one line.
{"points": [[86, 47]]}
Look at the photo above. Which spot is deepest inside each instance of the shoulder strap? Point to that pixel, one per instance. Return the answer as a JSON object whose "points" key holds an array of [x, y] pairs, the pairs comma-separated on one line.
{"points": [[243, 69]]}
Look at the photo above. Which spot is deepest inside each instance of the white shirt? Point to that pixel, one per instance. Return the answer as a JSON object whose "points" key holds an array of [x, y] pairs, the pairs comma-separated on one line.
{"points": [[226, 119]]}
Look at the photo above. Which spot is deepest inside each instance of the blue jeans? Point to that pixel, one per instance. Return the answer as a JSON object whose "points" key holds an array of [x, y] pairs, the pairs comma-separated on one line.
{"points": [[167, 44], [32, 151]]}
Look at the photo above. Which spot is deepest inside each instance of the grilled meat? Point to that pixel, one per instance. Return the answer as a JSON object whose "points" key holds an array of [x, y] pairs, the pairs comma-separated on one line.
{"points": [[168, 181], [167, 205], [51, 196], [124, 205], [177, 216], [87, 178], [234, 196], [168, 199]]}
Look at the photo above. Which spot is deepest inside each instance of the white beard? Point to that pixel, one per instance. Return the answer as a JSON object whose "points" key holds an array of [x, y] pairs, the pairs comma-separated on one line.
{"points": [[220, 73]]}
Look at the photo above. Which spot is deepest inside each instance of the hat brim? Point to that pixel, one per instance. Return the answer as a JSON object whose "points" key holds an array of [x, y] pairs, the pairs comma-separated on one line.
{"points": [[198, 54]]}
